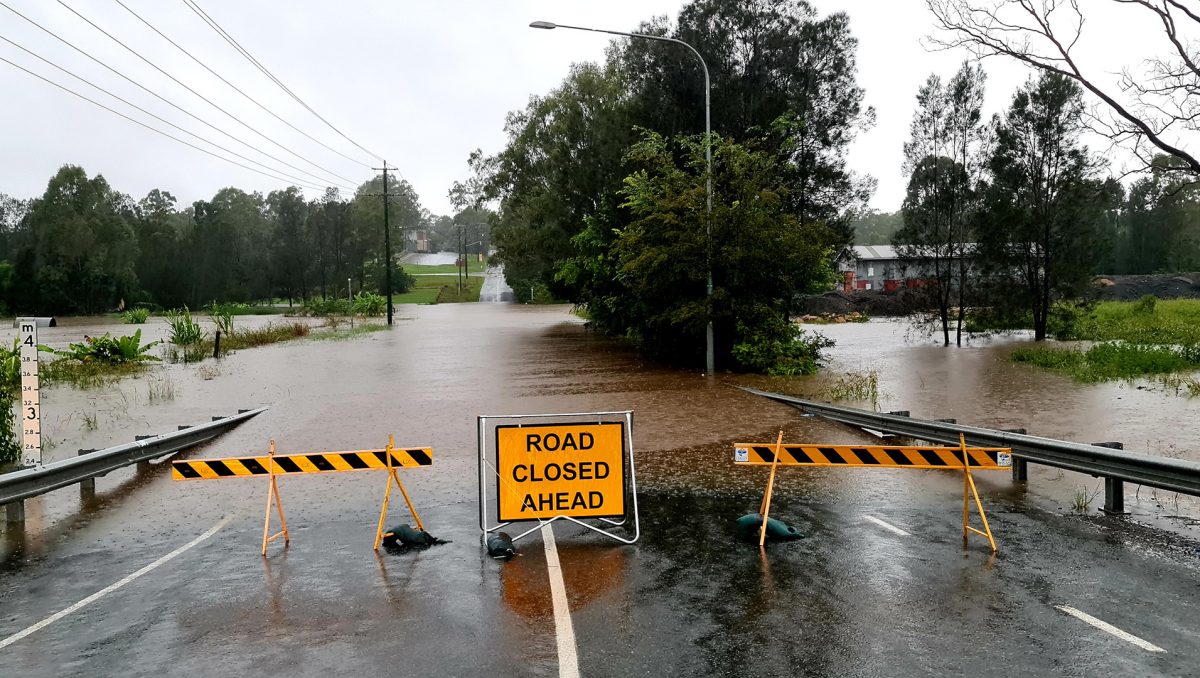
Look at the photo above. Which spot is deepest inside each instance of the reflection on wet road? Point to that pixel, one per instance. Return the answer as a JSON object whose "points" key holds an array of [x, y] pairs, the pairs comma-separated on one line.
{"points": [[853, 598]]}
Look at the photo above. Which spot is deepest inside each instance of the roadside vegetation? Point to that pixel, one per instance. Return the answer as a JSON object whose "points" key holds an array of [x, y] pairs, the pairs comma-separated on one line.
{"points": [[10, 386], [861, 386], [1148, 337]]}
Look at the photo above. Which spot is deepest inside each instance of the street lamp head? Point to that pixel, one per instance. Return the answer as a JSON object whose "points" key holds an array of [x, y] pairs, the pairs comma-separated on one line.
{"points": [[543, 24]]}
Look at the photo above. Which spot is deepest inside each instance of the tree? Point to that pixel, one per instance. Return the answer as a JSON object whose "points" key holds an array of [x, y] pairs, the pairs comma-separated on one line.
{"points": [[1161, 223], [945, 158], [562, 163], [291, 248], [162, 265], [1044, 205], [872, 227], [651, 284], [930, 233], [1149, 109], [405, 215], [230, 247], [777, 67], [82, 247]]}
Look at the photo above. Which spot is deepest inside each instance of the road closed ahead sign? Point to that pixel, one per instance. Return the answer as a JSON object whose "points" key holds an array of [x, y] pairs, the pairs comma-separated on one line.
{"points": [[549, 470]]}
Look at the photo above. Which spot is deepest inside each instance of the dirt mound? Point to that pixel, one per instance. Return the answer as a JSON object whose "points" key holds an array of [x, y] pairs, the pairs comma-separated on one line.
{"points": [[1134, 287]]}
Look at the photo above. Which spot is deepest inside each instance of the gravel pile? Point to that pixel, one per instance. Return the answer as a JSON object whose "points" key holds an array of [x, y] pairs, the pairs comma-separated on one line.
{"points": [[1134, 287], [874, 303]]}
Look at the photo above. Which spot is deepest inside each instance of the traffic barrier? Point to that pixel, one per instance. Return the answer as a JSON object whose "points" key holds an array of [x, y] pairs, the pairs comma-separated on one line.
{"points": [[966, 459], [982, 458], [389, 459]]}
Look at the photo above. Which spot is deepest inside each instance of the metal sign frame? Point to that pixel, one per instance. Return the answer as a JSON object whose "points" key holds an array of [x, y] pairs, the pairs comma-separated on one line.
{"points": [[488, 469]]}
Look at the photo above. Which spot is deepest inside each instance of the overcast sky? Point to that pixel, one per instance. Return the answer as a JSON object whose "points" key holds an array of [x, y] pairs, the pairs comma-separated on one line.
{"points": [[421, 84]]}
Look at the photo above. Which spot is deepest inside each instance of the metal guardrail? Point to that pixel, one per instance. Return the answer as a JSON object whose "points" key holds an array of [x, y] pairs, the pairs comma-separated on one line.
{"points": [[1176, 475], [30, 482]]}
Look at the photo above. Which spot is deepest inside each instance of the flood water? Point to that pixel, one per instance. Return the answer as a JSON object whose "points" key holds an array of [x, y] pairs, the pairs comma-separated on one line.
{"points": [[441, 366]]}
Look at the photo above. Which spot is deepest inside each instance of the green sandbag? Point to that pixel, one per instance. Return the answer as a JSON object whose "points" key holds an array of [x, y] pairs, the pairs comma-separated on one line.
{"points": [[749, 527]]}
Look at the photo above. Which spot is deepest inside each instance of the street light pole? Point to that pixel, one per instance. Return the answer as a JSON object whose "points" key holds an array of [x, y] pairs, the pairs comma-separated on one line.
{"points": [[709, 361]]}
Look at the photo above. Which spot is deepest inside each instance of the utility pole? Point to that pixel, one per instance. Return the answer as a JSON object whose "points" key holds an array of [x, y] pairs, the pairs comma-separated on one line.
{"points": [[462, 259], [387, 242], [466, 261]]}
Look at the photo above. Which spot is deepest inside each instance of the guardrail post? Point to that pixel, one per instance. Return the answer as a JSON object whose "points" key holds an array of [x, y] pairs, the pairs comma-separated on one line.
{"points": [[143, 466], [87, 486], [16, 513], [1020, 467], [1114, 488]]}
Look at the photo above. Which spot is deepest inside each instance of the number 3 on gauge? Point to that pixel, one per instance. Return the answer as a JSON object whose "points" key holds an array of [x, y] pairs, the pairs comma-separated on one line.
{"points": [[32, 413]]}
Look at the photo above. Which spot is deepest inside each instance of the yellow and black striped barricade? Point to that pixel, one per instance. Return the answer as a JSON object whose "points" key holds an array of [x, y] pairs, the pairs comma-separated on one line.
{"points": [[271, 465], [966, 459]]}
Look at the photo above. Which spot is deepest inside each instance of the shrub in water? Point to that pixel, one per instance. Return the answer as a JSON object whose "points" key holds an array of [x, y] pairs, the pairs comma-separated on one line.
{"points": [[184, 330], [799, 353], [106, 349], [136, 316], [369, 304], [221, 316], [329, 307]]}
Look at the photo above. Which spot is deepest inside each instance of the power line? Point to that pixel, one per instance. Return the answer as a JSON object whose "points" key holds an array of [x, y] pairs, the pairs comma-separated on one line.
{"points": [[242, 50], [139, 108], [152, 129], [164, 99], [233, 86], [179, 82]]}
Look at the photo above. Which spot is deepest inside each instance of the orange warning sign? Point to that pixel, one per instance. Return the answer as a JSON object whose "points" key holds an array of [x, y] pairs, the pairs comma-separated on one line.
{"points": [[575, 470]]}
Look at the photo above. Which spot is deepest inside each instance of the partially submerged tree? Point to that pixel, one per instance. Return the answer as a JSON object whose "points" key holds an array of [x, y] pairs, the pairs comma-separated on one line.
{"points": [[945, 158], [763, 255], [1044, 205]]}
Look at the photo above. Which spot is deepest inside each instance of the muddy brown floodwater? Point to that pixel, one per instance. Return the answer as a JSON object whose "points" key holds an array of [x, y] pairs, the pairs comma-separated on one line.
{"points": [[440, 367]]}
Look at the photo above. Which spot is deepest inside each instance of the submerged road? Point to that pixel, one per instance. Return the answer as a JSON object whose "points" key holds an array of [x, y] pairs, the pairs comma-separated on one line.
{"points": [[164, 578], [495, 288]]}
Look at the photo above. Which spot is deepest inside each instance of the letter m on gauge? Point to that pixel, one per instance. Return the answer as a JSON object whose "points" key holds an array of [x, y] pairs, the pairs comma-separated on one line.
{"points": [[551, 470]]}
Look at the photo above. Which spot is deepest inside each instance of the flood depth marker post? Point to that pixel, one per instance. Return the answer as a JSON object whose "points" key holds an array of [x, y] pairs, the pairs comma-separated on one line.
{"points": [[31, 403]]}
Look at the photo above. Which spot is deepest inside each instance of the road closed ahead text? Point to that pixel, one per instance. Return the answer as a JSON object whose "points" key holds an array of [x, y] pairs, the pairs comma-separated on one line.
{"points": [[572, 470]]}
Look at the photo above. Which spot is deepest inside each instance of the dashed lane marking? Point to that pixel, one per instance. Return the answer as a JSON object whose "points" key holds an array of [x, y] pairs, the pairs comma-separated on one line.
{"points": [[1109, 628], [568, 657], [113, 587], [888, 526]]}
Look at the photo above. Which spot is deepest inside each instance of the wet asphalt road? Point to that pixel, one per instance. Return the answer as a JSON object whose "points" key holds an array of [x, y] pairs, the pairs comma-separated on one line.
{"points": [[853, 598]]}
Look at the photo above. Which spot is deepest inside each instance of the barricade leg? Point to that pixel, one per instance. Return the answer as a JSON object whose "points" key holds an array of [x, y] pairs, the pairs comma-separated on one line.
{"points": [[386, 496], [969, 488], [392, 476], [766, 505], [273, 498]]}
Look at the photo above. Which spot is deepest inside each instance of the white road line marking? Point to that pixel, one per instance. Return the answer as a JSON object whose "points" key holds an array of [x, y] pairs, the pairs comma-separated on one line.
{"points": [[112, 587], [1109, 628], [568, 658], [888, 526]]}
